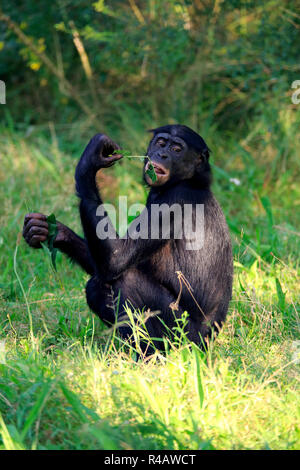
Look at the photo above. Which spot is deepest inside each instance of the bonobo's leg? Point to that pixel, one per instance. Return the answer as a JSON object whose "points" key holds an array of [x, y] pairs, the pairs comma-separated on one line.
{"points": [[35, 231], [107, 302], [142, 292]]}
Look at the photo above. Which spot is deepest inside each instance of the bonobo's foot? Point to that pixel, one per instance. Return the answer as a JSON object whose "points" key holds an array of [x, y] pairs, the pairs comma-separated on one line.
{"points": [[36, 230]]}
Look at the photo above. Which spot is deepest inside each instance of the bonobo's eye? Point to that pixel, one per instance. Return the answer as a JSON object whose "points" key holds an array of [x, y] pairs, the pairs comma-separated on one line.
{"points": [[161, 142], [176, 148]]}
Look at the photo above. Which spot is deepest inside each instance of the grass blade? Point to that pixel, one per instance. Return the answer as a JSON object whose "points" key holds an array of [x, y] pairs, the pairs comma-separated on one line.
{"points": [[81, 410], [280, 295], [9, 442], [36, 409], [198, 376]]}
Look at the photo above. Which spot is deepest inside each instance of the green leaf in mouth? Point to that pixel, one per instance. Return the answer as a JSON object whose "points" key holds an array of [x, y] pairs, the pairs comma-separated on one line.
{"points": [[151, 172]]}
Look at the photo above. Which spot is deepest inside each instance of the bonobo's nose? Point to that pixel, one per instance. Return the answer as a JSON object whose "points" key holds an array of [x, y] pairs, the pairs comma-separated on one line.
{"points": [[161, 155]]}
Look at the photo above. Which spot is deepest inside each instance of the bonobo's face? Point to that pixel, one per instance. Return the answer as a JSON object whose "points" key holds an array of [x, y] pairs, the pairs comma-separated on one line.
{"points": [[171, 158]]}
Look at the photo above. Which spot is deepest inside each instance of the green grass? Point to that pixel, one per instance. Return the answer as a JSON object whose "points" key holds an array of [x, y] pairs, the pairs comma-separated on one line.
{"points": [[66, 384]]}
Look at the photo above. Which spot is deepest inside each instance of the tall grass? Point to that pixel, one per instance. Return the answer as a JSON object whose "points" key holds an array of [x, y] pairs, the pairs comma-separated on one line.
{"points": [[67, 384]]}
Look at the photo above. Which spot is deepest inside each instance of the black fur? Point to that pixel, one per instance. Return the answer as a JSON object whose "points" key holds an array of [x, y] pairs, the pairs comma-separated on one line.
{"points": [[145, 272]]}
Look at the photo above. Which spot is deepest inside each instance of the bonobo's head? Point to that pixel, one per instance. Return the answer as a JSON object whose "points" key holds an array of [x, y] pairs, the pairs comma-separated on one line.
{"points": [[177, 153]]}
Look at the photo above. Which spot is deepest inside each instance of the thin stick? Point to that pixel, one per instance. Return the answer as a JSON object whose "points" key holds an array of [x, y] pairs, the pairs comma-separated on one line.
{"points": [[137, 11], [182, 278], [84, 59]]}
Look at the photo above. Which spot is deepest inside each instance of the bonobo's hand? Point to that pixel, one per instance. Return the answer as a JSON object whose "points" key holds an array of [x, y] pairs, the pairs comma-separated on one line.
{"points": [[35, 230], [99, 154]]}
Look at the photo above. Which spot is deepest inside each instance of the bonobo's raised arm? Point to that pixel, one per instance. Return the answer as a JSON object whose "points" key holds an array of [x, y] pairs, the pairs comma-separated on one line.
{"points": [[112, 255], [35, 231]]}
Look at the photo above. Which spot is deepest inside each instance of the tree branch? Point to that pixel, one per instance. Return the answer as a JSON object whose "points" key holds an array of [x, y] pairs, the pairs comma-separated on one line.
{"points": [[69, 89]]}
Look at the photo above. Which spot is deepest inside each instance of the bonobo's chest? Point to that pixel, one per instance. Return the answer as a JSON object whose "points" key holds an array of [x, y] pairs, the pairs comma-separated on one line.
{"points": [[164, 263]]}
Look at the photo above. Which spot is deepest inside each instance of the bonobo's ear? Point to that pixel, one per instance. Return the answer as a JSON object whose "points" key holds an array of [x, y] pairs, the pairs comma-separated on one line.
{"points": [[205, 154]]}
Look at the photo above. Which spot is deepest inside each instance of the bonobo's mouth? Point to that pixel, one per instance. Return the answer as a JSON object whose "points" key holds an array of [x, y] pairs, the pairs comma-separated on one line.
{"points": [[162, 174]]}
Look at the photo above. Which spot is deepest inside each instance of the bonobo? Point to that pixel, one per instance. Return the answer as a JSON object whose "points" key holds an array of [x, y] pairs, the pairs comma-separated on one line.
{"points": [[170, 261]]}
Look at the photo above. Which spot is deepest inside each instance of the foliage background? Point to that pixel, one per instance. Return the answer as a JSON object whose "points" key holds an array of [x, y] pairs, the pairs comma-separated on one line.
{"points": [[178, 61], [74, 68]]}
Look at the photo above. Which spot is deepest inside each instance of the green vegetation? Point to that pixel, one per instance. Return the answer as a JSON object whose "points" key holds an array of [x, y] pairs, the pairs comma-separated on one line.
{"points": [[225, 69]]}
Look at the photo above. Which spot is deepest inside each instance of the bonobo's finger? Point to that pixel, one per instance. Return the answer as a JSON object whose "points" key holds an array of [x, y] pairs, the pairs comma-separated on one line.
{"points": [[37, 231], [108, 146], [101, 144], [34, 215], [97, 154], [109, 161], [34, 223], [36, 240], [107, 155]]}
